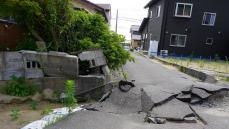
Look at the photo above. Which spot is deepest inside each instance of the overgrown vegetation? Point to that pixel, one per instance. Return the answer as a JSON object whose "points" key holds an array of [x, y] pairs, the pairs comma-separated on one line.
{"points": [[64, 29], [18, 86], [33, 105], [214, 65], [46, 111], [15, 113], [70, 100]]}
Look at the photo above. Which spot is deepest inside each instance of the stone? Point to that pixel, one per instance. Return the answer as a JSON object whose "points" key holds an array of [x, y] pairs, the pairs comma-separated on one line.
{"points": [[200, 93], [195, 100], [6, 99], [190, 119], [155, 120], [37, 97], [48, 94]]}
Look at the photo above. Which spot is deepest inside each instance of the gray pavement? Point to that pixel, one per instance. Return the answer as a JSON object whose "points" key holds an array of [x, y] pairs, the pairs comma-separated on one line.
{"points": [[121, 110]]}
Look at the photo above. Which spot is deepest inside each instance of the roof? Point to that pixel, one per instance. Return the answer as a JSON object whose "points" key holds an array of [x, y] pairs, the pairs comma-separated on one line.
{"points": [[143, 24], [134, 28], [150, 3], [7, 21], [96, 7], [105, 6]]}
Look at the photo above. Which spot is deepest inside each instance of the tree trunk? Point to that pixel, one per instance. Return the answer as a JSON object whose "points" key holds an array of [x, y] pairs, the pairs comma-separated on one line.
{"points": [[40, 43]]}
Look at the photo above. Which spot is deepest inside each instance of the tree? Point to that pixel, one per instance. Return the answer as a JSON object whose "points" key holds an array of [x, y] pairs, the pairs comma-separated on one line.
{"points": [[44, 19], [62, 28]]}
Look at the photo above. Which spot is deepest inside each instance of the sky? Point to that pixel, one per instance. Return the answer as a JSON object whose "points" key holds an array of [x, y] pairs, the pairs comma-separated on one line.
{"points": [[131, 12]]}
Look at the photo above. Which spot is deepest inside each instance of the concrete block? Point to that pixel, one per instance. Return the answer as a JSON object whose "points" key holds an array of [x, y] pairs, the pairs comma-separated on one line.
{"points": [[95, 57], [91, 85], [34, 73], [6, 75], [62, 65]]}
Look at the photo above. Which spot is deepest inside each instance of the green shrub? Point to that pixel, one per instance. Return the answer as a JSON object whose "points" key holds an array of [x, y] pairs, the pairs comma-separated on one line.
{"points": [[18, 86], [15, 113], [70, 100], [27, 43], [46, 111], [33, 105]]}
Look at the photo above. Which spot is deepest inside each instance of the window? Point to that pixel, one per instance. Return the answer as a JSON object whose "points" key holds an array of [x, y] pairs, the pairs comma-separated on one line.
{"points": [[183, 10], [209, 41], [158, 12], [178, 40], [32, 64], [151, 14], [209, 19]]}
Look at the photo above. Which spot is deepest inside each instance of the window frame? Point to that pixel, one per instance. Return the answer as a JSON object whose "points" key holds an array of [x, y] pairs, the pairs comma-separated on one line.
{"points": [[178, 45], [185, 4], [151, 15], [158, 11], [204, 18], [212, 39]]}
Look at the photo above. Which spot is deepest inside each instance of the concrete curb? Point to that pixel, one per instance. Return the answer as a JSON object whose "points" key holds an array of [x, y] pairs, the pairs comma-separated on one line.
{"points": [[192, 72]]}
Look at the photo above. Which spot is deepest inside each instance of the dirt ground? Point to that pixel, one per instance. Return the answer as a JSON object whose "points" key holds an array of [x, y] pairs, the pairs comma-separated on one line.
{"points": [[27, 115]]}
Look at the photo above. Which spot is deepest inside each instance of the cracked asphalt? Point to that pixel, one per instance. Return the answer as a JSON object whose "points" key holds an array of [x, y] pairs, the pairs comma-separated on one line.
{"points": [[122, 110]]}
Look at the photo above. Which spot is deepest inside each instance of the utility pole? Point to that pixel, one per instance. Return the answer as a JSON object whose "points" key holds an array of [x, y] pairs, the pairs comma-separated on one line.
{"points": [[116, 26]]}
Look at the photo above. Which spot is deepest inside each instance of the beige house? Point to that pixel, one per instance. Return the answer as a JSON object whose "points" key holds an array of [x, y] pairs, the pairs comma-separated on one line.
{"points": [[135, 37], [90, 8]]}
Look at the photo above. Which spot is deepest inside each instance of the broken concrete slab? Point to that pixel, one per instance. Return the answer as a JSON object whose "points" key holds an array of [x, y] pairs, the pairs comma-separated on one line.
{"points": [[154, 120], [200, 93], [187, 90], [184, 97], [211, 88], [174, 110], [95, 57], [156, 94], [195, 100]]}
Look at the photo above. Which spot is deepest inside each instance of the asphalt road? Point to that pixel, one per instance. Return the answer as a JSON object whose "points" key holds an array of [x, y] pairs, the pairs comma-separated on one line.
{"points": [[122, 109]]}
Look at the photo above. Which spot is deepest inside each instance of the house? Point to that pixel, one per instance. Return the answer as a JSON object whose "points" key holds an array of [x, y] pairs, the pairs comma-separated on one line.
{"points": [[135, 36], [107, 9], [186, 27], [10, 33], [92, 8]]}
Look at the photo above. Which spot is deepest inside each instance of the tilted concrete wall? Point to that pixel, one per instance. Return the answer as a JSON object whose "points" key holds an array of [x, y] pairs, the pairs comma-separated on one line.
{"points": [[31, 64]]}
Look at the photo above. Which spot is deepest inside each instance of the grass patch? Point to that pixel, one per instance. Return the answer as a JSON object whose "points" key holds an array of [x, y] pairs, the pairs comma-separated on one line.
{"points": [[217, 66]]}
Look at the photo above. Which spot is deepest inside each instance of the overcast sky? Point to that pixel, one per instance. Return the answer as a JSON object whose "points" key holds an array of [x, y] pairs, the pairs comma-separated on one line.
{"points": [[131, 12]]}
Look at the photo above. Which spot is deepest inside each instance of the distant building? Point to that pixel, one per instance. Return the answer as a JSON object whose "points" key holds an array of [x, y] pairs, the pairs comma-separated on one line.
{"points": [[187, 27], [135, 36]]}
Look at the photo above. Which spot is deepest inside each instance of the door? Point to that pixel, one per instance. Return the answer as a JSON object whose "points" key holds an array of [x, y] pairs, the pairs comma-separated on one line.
{"points": [[153, 48]]}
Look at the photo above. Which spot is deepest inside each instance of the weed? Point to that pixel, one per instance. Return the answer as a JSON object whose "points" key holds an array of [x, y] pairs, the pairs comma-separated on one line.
{"points": [[18, 86], [70, 100], [201, 64], [15, 113], [46, 111], [33, 105], [125, 75]]}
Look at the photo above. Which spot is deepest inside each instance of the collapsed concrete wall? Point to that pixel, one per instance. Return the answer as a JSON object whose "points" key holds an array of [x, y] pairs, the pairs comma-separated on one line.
{"points": [[31, 64]]}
